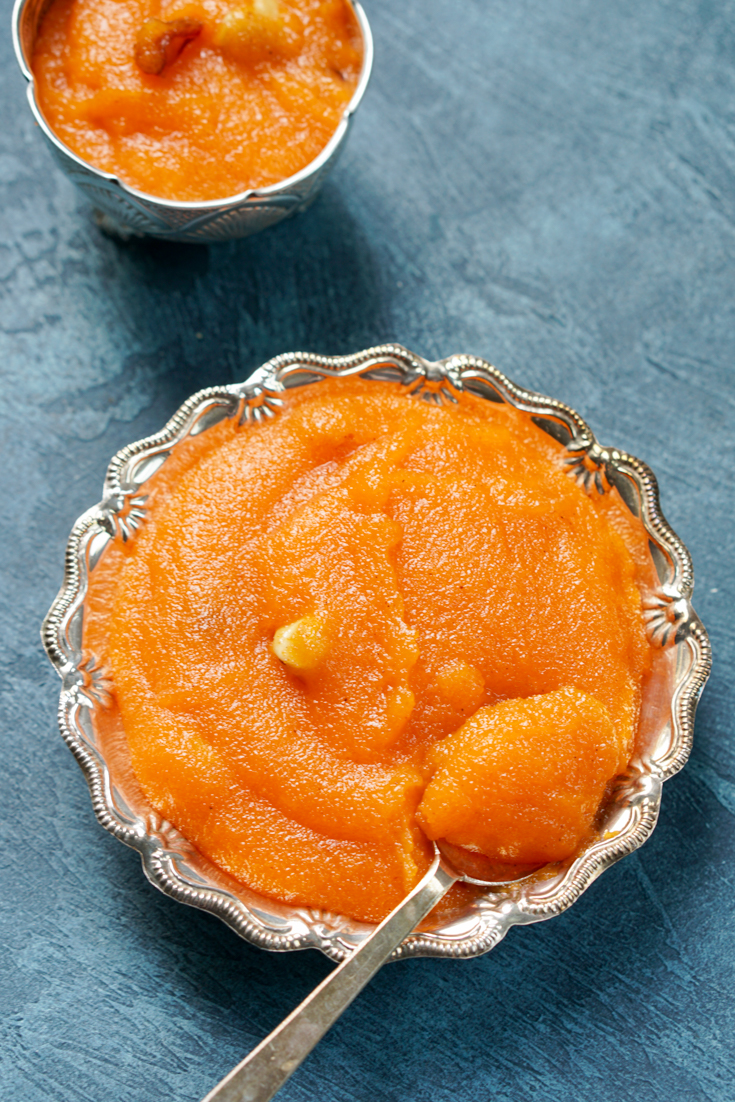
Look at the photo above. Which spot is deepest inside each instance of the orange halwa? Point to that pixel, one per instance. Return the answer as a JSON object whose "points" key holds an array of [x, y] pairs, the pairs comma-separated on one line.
{"points": [[522, 780], [368, 616], [197, 99]]}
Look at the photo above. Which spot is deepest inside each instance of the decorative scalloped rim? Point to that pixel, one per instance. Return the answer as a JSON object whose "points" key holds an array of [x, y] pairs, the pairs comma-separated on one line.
{"points": [[163, 850], [190, 221]]}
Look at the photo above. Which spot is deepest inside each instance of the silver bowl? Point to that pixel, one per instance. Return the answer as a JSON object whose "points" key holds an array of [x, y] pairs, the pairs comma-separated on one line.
{"points": [[92, 729], [127, 211]]}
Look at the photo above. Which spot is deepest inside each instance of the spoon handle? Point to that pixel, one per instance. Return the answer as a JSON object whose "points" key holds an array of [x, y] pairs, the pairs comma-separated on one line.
{"points": [[268, 1066]]}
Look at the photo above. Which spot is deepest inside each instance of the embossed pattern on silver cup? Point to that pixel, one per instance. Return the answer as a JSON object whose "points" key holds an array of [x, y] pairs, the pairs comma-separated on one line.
{"points": [[681, 664], [127, 211]]}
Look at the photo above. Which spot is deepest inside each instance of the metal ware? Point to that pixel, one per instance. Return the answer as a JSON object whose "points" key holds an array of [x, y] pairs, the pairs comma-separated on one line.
{"points": [[92, 729], [271, 1063], [127, 211]]}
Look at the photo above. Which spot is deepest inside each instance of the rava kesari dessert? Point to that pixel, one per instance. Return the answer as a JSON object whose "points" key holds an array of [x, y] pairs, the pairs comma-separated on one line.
{"points": [[367, 623], [197, 99]]}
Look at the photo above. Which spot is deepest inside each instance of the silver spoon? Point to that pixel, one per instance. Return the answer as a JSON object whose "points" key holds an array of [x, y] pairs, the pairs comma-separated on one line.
{"points": [[275, 1059]]}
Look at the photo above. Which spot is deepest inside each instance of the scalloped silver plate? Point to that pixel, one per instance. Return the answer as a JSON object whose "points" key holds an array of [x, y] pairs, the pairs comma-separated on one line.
{"points": [[91, 727]]}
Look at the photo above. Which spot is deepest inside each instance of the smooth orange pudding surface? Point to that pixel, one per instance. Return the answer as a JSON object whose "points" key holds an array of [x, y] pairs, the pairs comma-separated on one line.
{"points": [[197, 99], [368, 621]]}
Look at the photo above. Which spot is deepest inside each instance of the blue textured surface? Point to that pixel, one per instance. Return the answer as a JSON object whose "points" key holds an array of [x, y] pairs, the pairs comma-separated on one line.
{"points": [[549, 184]]}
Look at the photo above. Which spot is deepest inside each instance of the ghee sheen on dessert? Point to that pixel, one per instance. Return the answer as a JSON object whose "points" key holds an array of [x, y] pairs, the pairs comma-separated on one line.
{"points": [[366, 623], [199, 99]]}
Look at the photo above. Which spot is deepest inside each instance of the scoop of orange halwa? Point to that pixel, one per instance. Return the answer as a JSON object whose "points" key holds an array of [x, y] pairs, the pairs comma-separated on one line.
{"points": [[366, 617], [197, 99]]}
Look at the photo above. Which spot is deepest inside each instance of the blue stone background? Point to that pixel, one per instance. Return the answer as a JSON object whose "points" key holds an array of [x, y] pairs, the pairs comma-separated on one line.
{"points": [[549, 184]]}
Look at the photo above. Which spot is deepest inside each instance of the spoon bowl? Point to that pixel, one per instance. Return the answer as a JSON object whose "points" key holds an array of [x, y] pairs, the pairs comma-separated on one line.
{"points": [[484, 872]]}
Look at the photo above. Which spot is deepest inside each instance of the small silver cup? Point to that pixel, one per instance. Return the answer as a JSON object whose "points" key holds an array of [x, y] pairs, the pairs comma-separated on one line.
{"points": [[127, 211]]}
